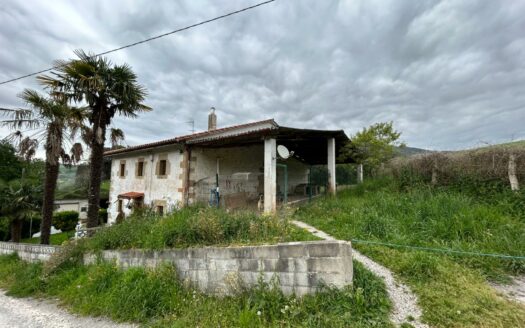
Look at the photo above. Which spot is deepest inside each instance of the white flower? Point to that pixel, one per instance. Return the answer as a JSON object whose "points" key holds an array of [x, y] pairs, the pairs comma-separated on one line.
{"points": [[259, 313], [286, 307]]}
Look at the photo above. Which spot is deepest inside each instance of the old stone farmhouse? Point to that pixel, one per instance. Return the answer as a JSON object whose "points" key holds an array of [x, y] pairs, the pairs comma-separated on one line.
{"points": [[233, 167]]}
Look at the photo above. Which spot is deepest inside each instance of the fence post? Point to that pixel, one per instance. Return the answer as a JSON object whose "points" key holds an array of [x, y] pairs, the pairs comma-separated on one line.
{"points": [[513, 178], [434, 174], [360, 173]]}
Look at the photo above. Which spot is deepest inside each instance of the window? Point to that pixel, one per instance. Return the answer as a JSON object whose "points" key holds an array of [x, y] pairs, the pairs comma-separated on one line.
{"points": [[162, 167], [140, 169], [160, 210], [122, 171], [83, 209]]}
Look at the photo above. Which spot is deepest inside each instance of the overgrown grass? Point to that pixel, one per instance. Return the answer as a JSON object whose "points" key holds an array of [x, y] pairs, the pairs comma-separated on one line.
{"points": [[55, 239], [155, 298], [453, 289], [196, 226]]}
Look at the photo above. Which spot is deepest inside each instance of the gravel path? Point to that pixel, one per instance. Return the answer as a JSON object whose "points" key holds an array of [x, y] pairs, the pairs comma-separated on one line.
{"points": [[33, 313], [514, 291], [404, 302]]}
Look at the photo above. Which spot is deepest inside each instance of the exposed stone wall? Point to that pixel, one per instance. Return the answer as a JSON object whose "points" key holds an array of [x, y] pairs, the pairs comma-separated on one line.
{"points": [[28, 252], [299, 267]]}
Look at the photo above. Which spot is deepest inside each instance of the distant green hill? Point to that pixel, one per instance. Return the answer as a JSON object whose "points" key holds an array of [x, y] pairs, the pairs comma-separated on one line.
{"points": [[409, 151]]}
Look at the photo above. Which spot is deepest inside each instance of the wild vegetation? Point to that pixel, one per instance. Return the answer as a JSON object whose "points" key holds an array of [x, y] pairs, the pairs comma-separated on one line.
{"points": [[20, 193], [155, 298], [54, 122], [452, 288], [195, 226]]}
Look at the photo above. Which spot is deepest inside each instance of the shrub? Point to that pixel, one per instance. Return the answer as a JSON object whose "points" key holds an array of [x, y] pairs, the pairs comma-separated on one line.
{"points": [[103, 215], [66, 220]]}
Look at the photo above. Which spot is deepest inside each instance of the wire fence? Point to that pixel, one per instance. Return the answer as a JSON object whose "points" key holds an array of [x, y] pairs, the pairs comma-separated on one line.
{"points": [[437, 250]]}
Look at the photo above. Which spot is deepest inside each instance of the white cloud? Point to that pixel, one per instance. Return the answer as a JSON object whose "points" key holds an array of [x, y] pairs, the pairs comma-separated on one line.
{"points": [[448, 73]]}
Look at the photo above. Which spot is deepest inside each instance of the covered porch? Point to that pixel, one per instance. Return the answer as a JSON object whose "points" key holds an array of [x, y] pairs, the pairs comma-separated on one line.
{"points": [[247, 171]]}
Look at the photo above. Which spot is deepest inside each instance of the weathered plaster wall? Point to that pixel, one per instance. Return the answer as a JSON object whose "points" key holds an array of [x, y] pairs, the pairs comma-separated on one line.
{"points": [[157, 189], [28, 252], [72, 205], [299, 267], [240, 172], [297, 174]]}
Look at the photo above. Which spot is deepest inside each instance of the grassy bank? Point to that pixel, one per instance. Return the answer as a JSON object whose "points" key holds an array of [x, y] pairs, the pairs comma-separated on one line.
{"points": [[453, 289], [155, 298], [196, 226]]}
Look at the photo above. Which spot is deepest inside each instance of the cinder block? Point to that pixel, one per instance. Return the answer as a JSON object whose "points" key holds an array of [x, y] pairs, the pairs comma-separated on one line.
{"points": [[265, 252], [227, 265], [331, 249], [300, 265], [330, 279], [268, 265], [286, 278], [285, 265], [324, 264], [241, 252], [292, 250], [249, 265], [198, 264]]}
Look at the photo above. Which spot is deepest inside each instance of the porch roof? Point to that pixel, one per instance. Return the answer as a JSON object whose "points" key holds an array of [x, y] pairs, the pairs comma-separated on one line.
{"points": [[309, 145]]}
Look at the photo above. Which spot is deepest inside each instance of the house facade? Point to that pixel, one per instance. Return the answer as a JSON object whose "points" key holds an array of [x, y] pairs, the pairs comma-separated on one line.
{"points": [[77, 205], [232, 167]]}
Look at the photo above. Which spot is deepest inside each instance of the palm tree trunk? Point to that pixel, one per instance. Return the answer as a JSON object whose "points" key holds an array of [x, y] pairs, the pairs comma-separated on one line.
{"points": [[50, 183], [16, 230], [95, 168]]}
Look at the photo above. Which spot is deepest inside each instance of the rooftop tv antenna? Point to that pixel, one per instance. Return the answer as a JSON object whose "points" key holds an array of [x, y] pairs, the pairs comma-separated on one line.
{"points": [[192, 122]]}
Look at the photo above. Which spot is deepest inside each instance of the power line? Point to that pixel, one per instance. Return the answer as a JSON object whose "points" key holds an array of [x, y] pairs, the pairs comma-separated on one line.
{"points": [[148, 39]]}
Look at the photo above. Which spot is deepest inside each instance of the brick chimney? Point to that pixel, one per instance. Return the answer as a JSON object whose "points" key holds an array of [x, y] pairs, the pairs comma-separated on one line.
{"points": [[212, 120]]}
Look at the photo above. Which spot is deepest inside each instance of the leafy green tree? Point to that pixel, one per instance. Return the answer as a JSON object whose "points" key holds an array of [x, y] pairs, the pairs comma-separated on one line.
{"points": [[19, 201], [53, 120], [10, 165], [108, 90], [373, 145]]}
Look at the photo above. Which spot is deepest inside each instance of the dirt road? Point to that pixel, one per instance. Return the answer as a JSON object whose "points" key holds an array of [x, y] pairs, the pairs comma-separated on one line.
{"points": [[32, 313]]}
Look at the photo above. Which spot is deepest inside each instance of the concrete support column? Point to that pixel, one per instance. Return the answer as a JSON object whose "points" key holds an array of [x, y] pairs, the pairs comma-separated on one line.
{"points": [[270, 175], [360, 173], [331, 166]]}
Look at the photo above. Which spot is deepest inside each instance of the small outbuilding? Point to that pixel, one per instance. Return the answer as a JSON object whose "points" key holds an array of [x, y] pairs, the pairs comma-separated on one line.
{"points": [[254, 165]]}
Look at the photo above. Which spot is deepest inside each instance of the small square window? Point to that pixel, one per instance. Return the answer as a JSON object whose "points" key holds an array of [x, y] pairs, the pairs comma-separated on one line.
{"points": [[83, 209]]}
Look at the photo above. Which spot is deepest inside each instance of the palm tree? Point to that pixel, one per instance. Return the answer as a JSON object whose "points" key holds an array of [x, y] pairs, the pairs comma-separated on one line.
{"points": [[108, 90], [50, 119], [116, 137], [18, 202]]}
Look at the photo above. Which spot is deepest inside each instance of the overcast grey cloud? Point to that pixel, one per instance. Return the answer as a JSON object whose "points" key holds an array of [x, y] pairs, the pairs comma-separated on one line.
{"points": [[450, 74]]}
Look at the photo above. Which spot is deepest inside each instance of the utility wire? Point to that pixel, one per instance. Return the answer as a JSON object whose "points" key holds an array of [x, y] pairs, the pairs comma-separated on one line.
{"points": [[439, 250], [147, 40]]}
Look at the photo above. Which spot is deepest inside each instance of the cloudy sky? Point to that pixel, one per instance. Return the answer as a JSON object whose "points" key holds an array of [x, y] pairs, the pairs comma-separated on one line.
{"points": [[450, 74]]}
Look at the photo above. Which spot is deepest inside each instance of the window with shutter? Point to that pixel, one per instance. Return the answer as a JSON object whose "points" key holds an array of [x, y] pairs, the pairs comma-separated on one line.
{"points": [[140, 168]]}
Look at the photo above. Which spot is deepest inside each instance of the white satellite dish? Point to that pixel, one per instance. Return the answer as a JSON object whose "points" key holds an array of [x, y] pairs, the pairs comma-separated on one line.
{"points": [[283, 152]]}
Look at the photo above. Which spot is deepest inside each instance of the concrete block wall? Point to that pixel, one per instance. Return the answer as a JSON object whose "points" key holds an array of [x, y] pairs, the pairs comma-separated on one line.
{"points": [[299, 267], [28, 252]]}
